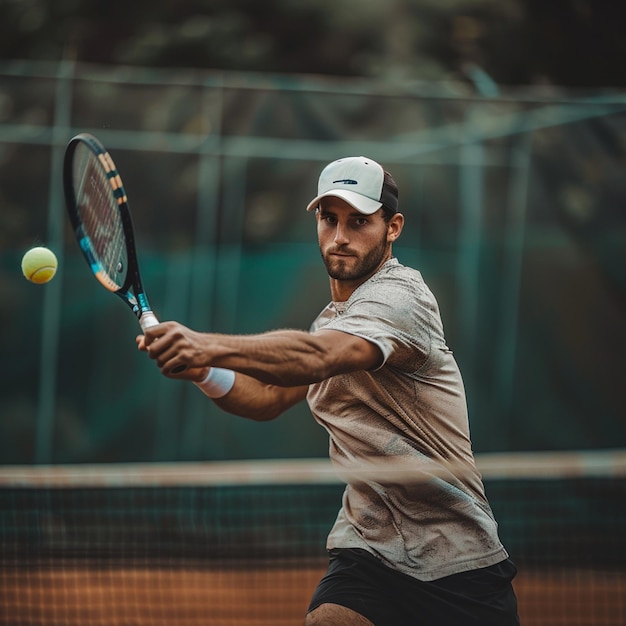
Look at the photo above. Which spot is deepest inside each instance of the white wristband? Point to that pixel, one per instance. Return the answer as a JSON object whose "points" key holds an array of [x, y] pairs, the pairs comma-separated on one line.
{"points": [[218, 382]]}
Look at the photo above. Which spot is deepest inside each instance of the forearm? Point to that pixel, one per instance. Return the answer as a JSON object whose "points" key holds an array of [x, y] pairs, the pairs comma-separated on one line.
{"points": [[287, 358]]}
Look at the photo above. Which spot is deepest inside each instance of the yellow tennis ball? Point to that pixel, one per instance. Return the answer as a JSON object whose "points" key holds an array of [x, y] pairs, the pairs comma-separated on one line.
{"points": [[39, 265]]}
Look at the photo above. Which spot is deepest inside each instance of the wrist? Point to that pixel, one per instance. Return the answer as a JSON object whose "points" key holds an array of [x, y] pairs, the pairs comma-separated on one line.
{"points": [[217, 382]]}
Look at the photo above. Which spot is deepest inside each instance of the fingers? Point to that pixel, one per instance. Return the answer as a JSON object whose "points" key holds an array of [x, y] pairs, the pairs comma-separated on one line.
{"points": [[174, 348], [148, 341], [194, 374], [156, 332], [165, 344], [157, 339]]}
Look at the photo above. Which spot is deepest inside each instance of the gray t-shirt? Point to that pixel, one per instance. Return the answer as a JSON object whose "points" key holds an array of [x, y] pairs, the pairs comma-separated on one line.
{"points": [[411, 410]]}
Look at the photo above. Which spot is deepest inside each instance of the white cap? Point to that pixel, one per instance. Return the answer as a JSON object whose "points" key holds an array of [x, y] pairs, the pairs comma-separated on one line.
{"points": [[357, 180]]}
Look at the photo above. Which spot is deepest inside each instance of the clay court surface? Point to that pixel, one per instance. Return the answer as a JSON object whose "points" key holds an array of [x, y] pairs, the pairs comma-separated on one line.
{"points": [[79, 595]]}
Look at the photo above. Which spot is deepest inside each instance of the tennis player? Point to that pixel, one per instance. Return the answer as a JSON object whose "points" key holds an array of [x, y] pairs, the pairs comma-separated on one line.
{"points": [[379, 377]]}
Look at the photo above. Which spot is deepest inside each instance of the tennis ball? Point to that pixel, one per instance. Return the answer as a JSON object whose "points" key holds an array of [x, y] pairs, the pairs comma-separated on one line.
{"points": [[39, 265]]}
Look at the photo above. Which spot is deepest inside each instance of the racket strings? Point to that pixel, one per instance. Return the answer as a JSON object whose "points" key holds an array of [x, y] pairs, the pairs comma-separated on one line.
{"points": [[98, 188]]}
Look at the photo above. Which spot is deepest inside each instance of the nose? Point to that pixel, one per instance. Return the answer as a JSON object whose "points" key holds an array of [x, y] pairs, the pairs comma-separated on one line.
{"points": [[341, 237]]}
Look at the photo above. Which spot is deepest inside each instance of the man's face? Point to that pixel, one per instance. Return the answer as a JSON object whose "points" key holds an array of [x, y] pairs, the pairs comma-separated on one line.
{"points": [[353, 245]]}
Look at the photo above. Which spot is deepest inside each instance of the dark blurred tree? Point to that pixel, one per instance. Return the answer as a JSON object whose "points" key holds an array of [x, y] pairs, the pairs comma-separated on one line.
{"points": [[571, 43], [577, 42]]}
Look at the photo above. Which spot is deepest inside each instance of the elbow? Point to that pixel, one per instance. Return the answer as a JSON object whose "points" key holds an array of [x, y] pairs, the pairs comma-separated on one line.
{"points": [[254, 413], [262, 414]]}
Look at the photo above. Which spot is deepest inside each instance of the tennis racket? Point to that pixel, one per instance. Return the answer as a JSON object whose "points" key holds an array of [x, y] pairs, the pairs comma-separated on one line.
{"points": [[98, 210]]}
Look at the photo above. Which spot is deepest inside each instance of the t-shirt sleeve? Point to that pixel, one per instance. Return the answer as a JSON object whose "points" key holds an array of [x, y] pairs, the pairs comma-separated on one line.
{"points": [[394, 316]]}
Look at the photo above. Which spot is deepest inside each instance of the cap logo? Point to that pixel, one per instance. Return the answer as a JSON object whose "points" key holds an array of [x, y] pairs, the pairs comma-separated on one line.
{"points": [[346, 181]]}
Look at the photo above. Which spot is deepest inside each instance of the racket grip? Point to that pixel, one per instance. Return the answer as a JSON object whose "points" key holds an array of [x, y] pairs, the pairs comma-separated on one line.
{"points": [[147, 320]]}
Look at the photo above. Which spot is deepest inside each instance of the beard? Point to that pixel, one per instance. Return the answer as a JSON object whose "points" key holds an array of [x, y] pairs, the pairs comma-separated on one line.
{"points": [[355, 268]]}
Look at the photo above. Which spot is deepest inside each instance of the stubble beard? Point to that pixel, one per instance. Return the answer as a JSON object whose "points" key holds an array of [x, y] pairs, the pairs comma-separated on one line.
{"points": [[355, 268]]}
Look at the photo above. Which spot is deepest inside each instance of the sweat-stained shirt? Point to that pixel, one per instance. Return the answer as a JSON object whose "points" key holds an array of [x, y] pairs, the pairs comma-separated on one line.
{"points": [[410, 411]]}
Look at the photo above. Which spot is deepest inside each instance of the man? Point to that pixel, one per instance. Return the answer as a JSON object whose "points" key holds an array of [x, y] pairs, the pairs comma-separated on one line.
{"points": [[377, 374]]}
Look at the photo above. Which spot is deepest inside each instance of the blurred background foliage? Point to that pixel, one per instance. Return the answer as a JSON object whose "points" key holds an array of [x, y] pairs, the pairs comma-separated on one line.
{"points": [[504, 123], [569, 43]]}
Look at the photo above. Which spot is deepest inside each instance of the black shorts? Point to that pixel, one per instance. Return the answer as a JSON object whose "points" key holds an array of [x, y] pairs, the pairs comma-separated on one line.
{"points": [[359, 581]]}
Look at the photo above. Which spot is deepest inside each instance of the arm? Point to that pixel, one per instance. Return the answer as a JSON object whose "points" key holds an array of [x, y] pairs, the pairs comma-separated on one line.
{"points": [[287, 358], [267, 365], [258, 401]]}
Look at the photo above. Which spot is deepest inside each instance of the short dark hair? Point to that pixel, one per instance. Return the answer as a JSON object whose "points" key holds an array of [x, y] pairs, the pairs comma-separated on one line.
{"points": [[390, 191]]}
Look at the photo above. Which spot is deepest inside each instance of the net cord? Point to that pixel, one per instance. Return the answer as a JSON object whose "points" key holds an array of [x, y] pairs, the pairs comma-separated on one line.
{"points": [[520, 465]]}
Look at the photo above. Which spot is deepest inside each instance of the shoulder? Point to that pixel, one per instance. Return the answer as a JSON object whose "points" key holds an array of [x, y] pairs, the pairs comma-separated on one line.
{"points": [[395, 272], [394, 284]]}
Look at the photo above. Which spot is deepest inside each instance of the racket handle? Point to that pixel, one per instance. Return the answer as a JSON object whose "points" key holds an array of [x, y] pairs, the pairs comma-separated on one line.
{"points": [[147, 320]]}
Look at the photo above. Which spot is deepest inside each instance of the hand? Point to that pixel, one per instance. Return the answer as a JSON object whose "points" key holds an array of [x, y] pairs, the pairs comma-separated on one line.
{"points": [[176, 350]]}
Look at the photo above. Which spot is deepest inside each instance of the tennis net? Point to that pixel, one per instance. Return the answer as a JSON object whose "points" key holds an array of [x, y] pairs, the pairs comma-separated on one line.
{"points": [[242, 543]]}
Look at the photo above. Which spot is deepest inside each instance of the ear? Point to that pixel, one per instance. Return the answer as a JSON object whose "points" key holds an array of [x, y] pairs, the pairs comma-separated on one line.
{"points": [[394, 227]]}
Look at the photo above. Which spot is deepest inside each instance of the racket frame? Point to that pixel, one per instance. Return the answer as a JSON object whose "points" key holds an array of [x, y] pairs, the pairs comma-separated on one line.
{"points": [[131, 291]]}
